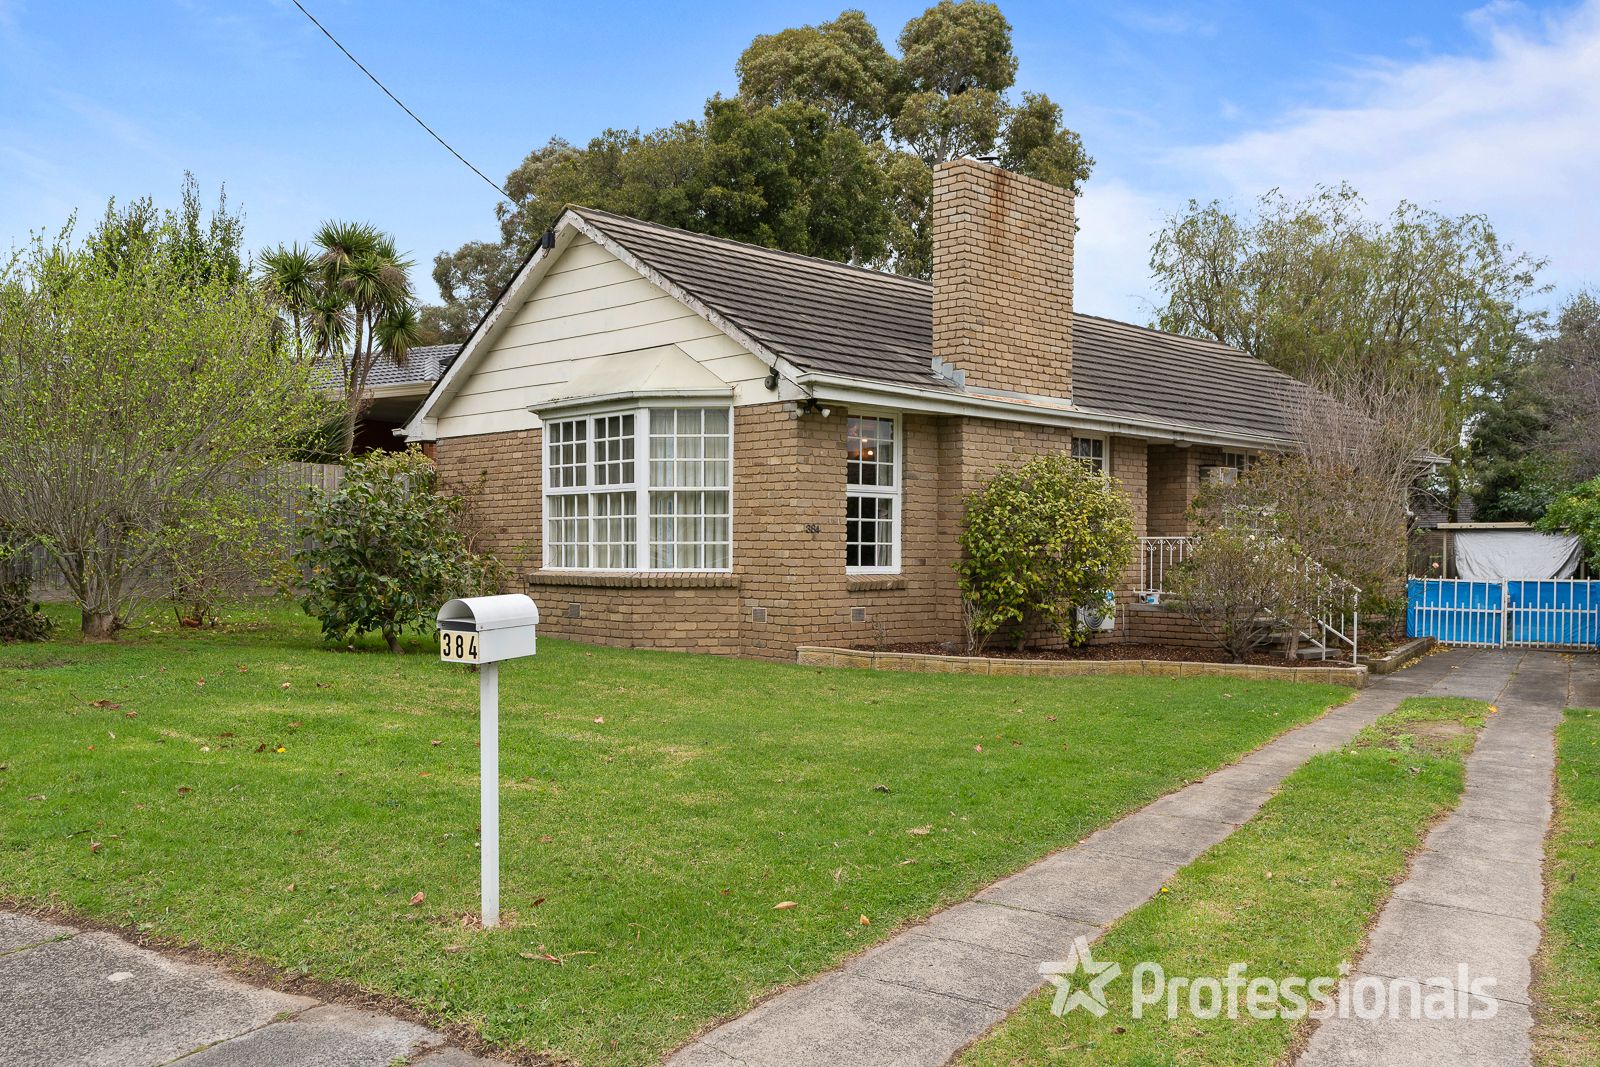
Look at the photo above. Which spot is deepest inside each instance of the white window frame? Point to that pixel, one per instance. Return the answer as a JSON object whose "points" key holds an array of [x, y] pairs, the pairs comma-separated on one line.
{"points": [[639, 488], [1104, 466], [895, 494]]}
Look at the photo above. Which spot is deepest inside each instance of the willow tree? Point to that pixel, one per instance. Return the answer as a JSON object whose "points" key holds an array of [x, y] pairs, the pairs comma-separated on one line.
{"points": [[1420, 300], [141, 396]]}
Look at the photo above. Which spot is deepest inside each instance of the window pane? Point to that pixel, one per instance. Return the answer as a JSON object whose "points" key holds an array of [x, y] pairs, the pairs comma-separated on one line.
{"points": [[869, 531], [869, 451], [567, 450], [1091, 450], [615, 531], [613, 450], [567, 530], [689, 529]]}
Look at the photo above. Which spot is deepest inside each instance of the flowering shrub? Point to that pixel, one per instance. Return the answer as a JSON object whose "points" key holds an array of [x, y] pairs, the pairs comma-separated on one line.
{"points": [[1241, 587], [1038, 542]]}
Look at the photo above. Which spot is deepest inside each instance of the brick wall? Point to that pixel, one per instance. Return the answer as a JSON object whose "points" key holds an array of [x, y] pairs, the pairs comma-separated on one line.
{"points": [[788, 585], [1002, 277]]}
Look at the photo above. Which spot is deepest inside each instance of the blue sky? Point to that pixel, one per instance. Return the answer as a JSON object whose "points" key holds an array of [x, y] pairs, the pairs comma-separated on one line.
{"points": [[1467, 108]]}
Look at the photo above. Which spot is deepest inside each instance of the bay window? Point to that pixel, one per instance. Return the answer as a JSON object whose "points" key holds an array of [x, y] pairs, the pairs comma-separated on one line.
{"points": [[647, 489], [872, 495]]}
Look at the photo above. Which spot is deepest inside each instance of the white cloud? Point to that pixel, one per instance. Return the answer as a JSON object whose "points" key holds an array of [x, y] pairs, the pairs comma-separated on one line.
{"points": [[1112, 250], [1510, 133]]}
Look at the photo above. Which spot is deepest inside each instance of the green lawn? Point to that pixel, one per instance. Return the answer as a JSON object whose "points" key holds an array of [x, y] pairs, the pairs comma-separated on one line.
{"points": [[252, 791], [1289, 893], [1567, 984]]}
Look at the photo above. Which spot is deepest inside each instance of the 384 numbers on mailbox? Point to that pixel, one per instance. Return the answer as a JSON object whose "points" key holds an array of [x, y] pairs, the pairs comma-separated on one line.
{"points": [[458, 646]]}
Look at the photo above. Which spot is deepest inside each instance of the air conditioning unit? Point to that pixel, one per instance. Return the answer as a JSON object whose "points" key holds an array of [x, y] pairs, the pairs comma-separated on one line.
{"points": [[1218, 475], [1099, 618]]}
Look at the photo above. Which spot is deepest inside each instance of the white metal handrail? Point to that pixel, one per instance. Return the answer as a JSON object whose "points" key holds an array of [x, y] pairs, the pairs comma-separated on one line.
{"points": [[1332, 614], [1158, 555]]}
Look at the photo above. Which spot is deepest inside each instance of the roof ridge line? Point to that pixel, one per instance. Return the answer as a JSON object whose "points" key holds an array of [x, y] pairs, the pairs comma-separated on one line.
{"points": [[821, 261]]}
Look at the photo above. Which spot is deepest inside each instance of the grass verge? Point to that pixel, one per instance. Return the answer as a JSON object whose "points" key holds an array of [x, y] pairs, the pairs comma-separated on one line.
{"points": [[252, 792], [1567, 980], [1291, 893]]}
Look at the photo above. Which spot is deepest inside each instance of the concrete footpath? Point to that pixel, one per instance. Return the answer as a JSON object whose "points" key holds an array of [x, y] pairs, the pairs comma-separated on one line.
{"points": [[921, 996], [1475, 895], [93, 1000]]}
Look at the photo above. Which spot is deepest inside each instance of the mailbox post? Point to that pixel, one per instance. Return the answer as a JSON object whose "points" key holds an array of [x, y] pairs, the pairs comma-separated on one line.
{"points": [[485, 630]]}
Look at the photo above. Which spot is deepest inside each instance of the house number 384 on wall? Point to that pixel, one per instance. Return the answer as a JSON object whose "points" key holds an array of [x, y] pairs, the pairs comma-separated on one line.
{"points": [[812, 527]]}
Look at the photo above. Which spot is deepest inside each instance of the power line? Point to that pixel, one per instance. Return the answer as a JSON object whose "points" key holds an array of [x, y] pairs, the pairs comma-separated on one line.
{"points": [[492, 184]]}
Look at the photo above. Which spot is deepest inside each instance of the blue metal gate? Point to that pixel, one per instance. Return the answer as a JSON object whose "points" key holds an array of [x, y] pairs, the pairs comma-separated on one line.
{"points": [[1561, 613]]}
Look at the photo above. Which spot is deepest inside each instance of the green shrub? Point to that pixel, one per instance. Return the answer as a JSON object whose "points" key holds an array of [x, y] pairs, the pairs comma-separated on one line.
{"points": [[385, 550], [1577, 512], [1241, 586], [1038, 542], [20, 618]]}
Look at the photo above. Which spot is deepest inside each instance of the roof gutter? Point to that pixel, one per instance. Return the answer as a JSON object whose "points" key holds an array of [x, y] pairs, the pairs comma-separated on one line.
{"points": [[845, 390]]}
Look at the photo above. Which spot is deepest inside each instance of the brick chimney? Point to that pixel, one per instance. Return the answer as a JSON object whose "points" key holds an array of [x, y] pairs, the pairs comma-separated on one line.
{"points": [[1002, 278]]}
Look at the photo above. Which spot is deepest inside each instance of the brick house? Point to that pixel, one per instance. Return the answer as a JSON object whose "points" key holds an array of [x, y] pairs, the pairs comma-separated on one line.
{"points": [[685, 442]]}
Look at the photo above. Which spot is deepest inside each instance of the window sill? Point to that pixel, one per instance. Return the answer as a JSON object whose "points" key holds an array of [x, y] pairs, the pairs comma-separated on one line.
{"points": [[871, 583], [636, 579]]}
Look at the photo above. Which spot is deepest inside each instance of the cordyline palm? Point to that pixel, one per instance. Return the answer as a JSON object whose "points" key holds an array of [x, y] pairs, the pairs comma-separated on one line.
{"points": [[288, 276], [348, 299], [359, 263]]}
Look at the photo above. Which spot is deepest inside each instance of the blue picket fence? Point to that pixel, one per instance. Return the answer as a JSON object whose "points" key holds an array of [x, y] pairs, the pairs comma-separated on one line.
{"points": [[1562, 613]]}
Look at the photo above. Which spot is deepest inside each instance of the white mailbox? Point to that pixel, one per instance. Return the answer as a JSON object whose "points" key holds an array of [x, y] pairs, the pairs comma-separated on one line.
{"points": [[487, 629]]}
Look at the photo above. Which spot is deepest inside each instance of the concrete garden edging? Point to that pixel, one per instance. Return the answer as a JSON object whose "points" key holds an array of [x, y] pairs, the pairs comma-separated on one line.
{"points": [[1401, 656], [822, 656]]}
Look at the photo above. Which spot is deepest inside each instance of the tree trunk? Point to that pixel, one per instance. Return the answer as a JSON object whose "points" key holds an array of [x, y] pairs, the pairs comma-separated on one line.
{"points": [[393, 640], [98, 625]]}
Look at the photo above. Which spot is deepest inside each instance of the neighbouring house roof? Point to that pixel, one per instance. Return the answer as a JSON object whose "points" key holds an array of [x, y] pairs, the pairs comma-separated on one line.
{"points": [[424, 364], [833, 318]]}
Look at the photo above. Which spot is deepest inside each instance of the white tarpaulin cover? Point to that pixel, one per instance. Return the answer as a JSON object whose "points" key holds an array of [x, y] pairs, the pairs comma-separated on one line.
{"points": [[1512, 555]]}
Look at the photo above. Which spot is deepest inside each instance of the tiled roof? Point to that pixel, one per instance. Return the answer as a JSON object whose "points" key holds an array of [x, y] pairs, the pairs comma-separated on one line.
{"points": [[829, 317], [423, 364]]}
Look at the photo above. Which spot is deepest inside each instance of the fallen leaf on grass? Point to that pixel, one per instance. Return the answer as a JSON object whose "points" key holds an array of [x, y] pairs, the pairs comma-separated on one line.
{"points": [[261, 747], [242, 669], [289, 888], [130, 715], [37, 796], [284, 685], [545, 839], [920, 831], [784, 905], [864, 921], [424, 774], [435, 744], [418, 899], [111, 705], [184, 790], [280, 748], [94, 846], [537, 902], [880, 789], [599, 720], [200, 684], [324, 685], [977, 748]]}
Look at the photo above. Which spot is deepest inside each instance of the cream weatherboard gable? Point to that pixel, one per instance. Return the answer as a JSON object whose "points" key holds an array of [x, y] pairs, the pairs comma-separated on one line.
{"points": [[589, 319]]}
